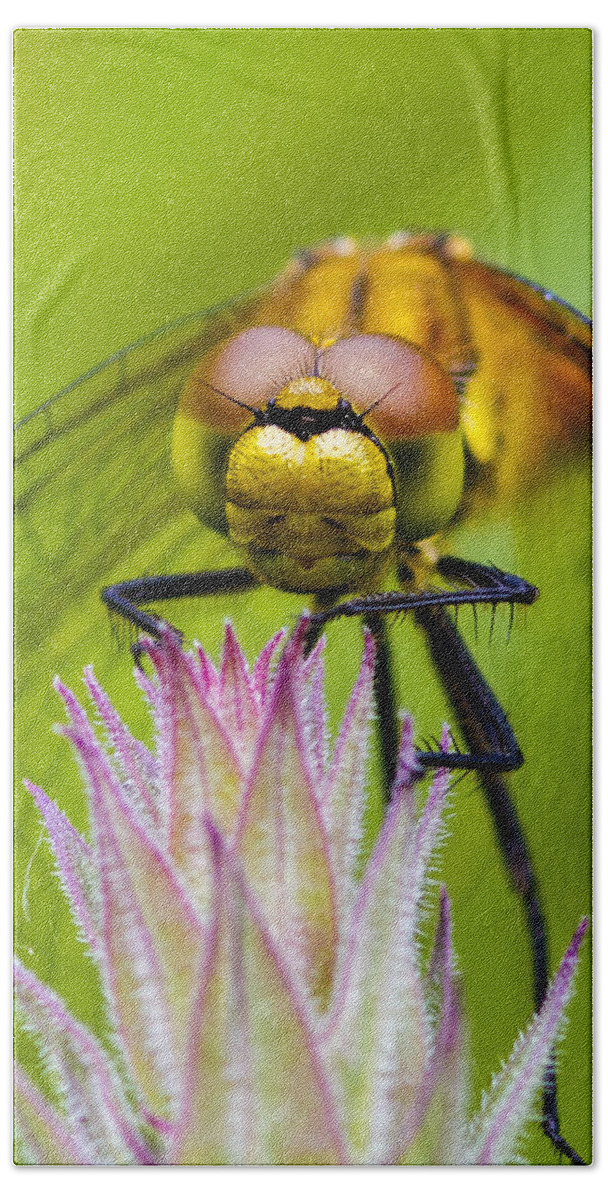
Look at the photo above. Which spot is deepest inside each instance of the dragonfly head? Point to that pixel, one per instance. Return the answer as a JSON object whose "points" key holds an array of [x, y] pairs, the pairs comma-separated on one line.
{"points": [[309, 493], [312, 456]]}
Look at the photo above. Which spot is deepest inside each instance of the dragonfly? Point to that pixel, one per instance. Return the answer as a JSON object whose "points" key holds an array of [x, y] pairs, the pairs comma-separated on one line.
{"points": [[337, 428]]}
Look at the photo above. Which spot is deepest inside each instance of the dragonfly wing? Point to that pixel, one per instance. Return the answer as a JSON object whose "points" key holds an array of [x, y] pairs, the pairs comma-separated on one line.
{"points": [[94, 484], [529, 401]]}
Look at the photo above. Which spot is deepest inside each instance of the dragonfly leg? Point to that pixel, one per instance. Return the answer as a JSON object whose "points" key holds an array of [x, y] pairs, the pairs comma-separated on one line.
{"points": [[384, 689], [384, 685], [492, 748], [126, 598], [492, 743], [386, 703], [473, 703]]}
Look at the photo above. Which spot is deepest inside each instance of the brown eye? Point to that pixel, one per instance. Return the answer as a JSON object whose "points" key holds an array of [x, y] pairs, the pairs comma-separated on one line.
{"points": [[413, 393], [256, 364], [251, 367]]}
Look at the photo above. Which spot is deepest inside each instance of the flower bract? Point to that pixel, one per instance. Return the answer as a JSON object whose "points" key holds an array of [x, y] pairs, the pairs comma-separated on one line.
{"points": [[267, 995]]}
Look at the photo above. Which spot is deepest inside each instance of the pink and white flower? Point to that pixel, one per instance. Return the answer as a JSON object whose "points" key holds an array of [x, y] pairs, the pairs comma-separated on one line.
{"points": [[265, 987]]}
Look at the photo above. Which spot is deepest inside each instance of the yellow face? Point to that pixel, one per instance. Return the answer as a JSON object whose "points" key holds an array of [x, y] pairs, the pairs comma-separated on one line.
{"points": [[314, 514]]}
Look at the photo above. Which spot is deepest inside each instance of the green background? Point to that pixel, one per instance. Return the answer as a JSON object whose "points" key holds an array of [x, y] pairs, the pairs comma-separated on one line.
{"points": [[159, 172]]}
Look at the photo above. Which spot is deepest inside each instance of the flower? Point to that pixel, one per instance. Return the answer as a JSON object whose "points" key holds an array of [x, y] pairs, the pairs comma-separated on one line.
{"points": [[265, 986]]}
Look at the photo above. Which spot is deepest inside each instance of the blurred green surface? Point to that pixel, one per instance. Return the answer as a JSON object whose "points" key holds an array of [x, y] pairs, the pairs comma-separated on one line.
{"points": [[159, 172]]}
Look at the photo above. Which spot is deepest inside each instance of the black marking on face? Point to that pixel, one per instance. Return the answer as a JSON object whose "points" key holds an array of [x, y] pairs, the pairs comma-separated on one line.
{"points": [[304, 422]]}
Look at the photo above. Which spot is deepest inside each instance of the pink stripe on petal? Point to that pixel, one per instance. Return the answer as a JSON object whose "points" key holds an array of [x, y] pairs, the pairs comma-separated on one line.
{"points": [[96, 1112], [310, 664], [200, 770], [238, 698], [282, 842], [510, 1101], [261, 670], [344, 983], [256, 1090], [208, 675], [40, 1128], [408, 770], [345, 785], [441, 968], [377, 1038], [152, 939], [75, 711], [139, 770], [311, 699], [430, 827], [75, 864], [147, 686], [441, 1110]]}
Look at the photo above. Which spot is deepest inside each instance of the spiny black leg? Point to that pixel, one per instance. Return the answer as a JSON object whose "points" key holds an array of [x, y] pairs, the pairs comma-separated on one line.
{"points": [[498, 747], [492, 746], [482, 585], [321, 601], [384, 690], [550, 1122], [488, 734], [469, 696], [125, 598]]}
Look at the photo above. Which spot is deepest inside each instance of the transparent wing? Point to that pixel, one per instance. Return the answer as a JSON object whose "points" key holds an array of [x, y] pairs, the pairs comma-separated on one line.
{"points": [[95, 504], [93, 480]]}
